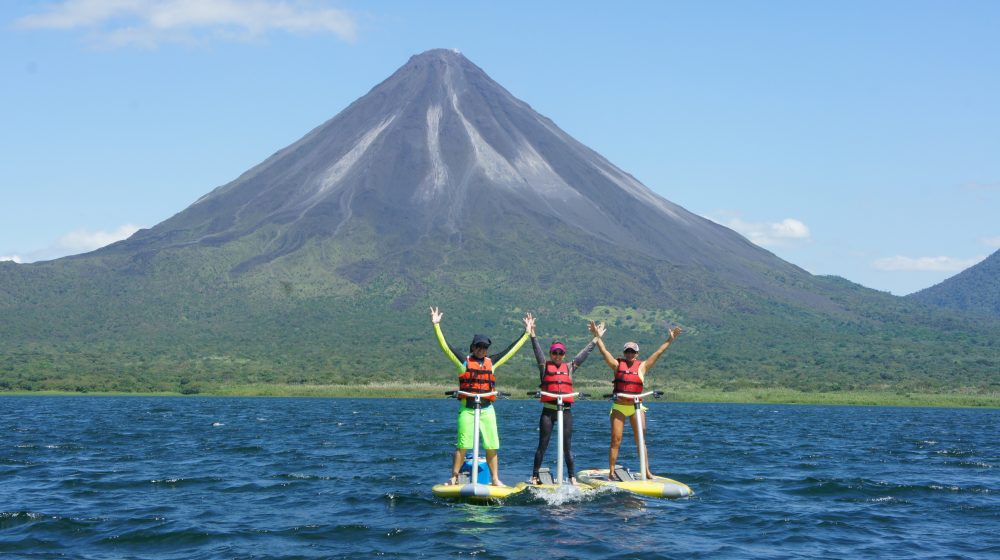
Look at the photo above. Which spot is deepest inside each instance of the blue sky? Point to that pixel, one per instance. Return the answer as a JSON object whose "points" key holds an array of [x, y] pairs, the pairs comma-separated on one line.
{"points": [[854, 138]]}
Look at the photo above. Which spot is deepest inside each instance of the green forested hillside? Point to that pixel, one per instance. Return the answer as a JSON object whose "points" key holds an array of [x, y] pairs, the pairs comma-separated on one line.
{"points": [[184, 324]]}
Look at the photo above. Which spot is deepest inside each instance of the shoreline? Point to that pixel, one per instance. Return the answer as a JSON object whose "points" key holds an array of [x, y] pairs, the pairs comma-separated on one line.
{"points": [[670, 394]]}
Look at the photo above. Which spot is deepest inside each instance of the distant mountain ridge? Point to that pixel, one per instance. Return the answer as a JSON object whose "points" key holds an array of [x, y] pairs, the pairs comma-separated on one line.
{"points": [[439, 187], [975, 289]]}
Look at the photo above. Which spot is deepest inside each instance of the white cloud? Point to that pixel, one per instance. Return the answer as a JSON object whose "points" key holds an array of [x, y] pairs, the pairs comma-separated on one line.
{"points": [[82, 241], [927, 264], [993, 242], [149, 23], [13, 258], [765, 234]]}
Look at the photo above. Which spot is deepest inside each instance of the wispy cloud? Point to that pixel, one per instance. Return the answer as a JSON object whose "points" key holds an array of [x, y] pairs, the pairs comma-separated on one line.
{"points": [[81, 240], [993, 242], [768, 234], [75, 242], [149, 23], [925, 264]]}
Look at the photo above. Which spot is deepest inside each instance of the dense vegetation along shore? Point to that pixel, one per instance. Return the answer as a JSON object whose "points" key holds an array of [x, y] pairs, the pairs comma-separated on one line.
{"points": [[776, 395]]}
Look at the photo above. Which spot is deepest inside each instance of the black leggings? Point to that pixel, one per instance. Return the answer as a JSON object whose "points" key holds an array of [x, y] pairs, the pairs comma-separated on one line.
{"points": [[545, 423]]}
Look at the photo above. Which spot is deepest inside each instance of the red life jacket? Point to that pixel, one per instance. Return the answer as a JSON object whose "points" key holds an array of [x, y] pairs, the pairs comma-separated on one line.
{"points": [[557, 380], [627, 378], [478, 378]]}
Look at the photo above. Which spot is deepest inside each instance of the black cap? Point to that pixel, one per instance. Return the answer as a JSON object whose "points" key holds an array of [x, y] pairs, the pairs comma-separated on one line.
{"points": [[480, 339]]}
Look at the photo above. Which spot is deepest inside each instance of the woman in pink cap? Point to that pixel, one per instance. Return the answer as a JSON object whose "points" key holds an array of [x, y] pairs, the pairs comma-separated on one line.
{"points": [[556, 376], [630, 376]]}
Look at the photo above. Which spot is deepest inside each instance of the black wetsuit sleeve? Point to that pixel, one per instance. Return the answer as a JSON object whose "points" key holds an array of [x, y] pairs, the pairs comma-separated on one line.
{"points": [[539, 357], [583, 355]]}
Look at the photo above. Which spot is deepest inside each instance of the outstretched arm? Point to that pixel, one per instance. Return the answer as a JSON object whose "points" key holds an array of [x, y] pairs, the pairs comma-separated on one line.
{"points": [[585, 353], [436, 315], [659, 351], [539, 355], [598, 332]]}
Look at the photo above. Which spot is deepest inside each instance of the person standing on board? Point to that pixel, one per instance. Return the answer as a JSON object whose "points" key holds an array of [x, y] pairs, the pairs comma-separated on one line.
{"points": [[556, 376], [476, 375], [630, 375]]}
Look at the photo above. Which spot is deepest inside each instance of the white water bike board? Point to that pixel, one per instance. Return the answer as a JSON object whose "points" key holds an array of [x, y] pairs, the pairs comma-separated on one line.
{"points": [[657, 487]]}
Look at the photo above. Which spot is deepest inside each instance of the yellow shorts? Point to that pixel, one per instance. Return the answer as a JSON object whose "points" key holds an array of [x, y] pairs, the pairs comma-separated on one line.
{"points": [[627, 409]]}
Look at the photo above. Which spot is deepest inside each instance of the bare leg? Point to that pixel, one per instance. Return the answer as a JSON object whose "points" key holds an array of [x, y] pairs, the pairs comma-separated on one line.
{"points": [[494, 462], [617, 428], [456, 464]]}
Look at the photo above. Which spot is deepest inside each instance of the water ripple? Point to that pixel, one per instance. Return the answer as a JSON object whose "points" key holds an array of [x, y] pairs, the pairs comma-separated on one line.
{"points": [[341, 478]]}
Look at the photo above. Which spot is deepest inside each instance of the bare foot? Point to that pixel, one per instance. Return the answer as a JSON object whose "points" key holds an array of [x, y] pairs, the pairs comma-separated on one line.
{"points": [[534, 480], [499, 484], [452, 481], [572, 480]]}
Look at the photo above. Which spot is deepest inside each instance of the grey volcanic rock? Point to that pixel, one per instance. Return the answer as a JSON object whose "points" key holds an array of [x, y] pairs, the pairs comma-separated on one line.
{"points": [[975, 289], [438, 150]]}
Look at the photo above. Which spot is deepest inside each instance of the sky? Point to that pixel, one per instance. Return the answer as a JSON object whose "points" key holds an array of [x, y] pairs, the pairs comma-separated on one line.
{"points": [[851, 138]]}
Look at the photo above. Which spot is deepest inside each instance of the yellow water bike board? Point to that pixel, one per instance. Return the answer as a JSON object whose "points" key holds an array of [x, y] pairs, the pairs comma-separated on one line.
{"points": [[657, 487], [475, 492]]}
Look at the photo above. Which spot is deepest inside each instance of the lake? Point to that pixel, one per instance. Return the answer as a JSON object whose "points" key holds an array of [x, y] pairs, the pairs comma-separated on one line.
{"points": [[162, 477]]}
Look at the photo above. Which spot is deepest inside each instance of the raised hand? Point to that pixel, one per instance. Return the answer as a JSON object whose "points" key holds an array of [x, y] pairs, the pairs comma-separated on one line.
{"points": [[674, 332], [436, 315], [529, 324], [596, 329]]}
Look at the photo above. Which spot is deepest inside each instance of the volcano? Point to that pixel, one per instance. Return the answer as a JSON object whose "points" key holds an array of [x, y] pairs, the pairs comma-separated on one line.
{"points": [[440, 152], [439, 187]]}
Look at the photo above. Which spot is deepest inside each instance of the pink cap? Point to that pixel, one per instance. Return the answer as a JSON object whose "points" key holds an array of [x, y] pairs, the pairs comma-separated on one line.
{"points": [[557, 346], [631, 346]]}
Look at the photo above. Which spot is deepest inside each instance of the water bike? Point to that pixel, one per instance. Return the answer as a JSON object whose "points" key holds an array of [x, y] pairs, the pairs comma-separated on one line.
{"points": [[472, 485], [546, 482], [656, 487]]}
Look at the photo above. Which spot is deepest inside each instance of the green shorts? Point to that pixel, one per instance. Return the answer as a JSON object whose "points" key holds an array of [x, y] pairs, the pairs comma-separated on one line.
{"points": [[487, 427], [627, 409]]}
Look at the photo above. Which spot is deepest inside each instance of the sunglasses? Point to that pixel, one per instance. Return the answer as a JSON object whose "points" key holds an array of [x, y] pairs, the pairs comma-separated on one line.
{"points": [[631, 352], [557, 352], [483, 346]]}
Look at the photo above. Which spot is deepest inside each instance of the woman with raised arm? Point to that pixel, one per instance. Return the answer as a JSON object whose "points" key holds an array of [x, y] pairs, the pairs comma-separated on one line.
{"points": [[630, 376], [556, 376], [476, 375]]}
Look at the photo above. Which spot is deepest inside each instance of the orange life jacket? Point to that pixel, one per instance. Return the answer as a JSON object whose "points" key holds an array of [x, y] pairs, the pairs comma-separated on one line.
{"points": [[627, 378], [478, 378], [557, 380]]}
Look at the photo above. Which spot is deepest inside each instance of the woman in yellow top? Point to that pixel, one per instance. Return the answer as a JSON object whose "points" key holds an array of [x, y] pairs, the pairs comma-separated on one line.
{"points": [[630, 377]]}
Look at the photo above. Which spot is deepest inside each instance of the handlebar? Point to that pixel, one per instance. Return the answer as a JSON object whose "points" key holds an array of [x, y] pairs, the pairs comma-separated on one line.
{"points": [[557, 395], [656, 394], [467, 394]]}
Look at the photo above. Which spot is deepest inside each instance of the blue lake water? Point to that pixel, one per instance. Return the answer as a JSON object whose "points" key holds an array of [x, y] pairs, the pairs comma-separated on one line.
{"points": [[136, 477]]}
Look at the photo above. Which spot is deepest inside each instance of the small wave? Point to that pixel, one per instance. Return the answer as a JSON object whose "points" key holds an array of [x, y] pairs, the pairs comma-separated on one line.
{"points": [[953, 452], [181, 481], [217, 424], [972, 464], [301, 476], [6, 516], [246, 449]]}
